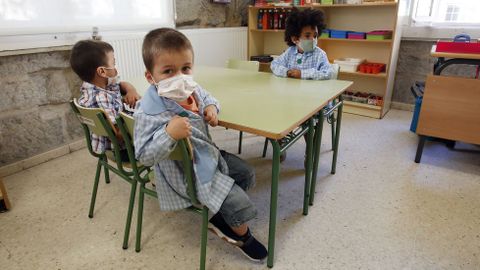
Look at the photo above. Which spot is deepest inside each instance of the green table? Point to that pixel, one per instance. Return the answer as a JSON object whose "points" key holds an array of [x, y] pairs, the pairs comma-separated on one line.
{"points": [[272, 107]]}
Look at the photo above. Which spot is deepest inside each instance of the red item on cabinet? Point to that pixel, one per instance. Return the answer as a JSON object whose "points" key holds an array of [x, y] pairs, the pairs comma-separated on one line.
{"points": [[373, 68], [265, 20]]}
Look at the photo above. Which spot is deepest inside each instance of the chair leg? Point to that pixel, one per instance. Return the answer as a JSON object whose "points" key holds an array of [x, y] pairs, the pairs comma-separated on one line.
{"points": [[95, 187], [141, 197], [265, 145], [240, 142], [203, 247], [129, 214], [105, 168]]}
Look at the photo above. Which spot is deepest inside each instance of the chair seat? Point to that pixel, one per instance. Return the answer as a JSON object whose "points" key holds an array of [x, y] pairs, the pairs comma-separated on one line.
{"points": [[111, 156]]}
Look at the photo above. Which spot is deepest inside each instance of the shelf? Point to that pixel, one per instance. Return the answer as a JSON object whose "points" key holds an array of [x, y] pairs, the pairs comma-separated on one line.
{"points": [[269, 30], [386, 41], [373, 4], [379, 75], [362, 109]]}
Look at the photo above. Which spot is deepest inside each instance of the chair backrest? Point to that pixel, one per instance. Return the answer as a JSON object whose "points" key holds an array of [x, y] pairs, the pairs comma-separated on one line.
{"points": [[88, 117], [183, 152], [243, 65], [336, 70]]}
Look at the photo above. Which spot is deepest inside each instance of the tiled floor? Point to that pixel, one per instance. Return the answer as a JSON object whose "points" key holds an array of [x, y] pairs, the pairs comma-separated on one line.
{"points": [[380, 211]]}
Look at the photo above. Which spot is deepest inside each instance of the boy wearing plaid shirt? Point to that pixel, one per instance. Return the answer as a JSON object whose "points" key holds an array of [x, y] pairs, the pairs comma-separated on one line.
{"points": [[94, 62], [303, 59], [221, 178]]}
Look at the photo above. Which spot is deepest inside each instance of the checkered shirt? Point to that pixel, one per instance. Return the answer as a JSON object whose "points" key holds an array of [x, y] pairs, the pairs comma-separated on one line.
{"points": [[313, 65]]}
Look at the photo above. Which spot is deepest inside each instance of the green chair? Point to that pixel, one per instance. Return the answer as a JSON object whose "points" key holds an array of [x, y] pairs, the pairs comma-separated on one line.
{"points": [[93, 120], [183, 153], [242, 65]]}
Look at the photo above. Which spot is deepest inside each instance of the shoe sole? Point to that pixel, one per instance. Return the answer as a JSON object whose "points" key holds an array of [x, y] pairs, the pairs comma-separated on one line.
{"points": [[231, 241]]}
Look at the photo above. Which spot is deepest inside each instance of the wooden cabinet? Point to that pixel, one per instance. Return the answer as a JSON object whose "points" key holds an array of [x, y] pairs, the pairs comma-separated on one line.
{"points": [[362, 18]]}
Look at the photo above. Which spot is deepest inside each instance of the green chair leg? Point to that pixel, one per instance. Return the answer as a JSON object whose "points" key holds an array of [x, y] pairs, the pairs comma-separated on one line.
{"points": [[141, 198], [105, 169], [317, 142], [265, 145], [133, 191], [240, 142], [203, 248], [95, 187]]}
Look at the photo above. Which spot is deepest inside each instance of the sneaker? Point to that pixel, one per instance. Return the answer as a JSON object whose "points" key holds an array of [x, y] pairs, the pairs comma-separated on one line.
{"points": [[250, 247], [219, 226]]}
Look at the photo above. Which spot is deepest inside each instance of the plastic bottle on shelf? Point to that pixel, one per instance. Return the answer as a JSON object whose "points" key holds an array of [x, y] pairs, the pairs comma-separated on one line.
{"points": [[281, 19], [260, 19], [270, 19], [265, 20], [275, 19]]}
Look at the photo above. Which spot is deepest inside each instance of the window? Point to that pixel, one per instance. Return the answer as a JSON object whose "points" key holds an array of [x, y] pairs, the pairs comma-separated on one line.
{"points": [[448, 13], [44, 23]]}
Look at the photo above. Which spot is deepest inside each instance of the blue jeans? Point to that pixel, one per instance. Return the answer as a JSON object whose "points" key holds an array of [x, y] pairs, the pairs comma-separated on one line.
{"points": [[237, 208]]}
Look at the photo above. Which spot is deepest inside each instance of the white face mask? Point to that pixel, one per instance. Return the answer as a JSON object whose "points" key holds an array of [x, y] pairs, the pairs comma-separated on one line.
{"points": [[113, 80], [177, 88], [307, 45]]}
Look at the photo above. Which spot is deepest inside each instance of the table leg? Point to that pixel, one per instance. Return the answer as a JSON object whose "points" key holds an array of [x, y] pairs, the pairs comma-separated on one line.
{"points": [[316, 154], [308, 169], [421, 144], [273, 202], [337, 134]]}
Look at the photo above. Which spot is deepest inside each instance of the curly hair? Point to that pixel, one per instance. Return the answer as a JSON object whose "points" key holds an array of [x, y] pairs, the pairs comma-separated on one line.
{"points": [[299, 19]]}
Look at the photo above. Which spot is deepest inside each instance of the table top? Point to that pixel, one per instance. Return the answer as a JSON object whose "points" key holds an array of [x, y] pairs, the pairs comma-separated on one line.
{"points": [[262, 103], [453, 55]]}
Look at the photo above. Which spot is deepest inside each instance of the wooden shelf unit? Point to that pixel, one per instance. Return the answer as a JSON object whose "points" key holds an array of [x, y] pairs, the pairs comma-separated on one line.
{"points": [[365, 17]]}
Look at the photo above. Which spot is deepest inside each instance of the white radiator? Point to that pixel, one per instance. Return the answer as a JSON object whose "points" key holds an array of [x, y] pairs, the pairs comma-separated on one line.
{"points": [[212, 47]]}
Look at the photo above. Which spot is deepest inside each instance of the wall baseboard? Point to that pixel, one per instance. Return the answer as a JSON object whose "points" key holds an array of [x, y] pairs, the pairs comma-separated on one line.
{"points": [[41, 158], [402, 106]]}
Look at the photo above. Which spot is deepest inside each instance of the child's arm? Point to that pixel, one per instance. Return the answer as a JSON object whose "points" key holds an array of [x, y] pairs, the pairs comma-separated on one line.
{"points": [[279, 65], [322, 71], [130, 93], [156, 136], [211, 106]]}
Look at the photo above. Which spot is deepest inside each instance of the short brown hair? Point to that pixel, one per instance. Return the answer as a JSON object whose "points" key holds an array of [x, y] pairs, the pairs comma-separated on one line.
{"points": [[160, 39], [87, 56]]}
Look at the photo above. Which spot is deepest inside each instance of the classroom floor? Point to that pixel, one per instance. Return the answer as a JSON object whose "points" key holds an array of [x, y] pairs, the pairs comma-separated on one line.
{"points": [[380, 211]]}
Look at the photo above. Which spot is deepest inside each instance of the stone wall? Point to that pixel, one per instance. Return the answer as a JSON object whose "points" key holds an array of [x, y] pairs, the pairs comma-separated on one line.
{"points": [[34, 112], [414, 64], [205, 13]]}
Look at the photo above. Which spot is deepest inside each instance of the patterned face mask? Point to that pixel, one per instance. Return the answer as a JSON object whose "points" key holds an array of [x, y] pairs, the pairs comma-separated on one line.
{"points": [[177, 88]]}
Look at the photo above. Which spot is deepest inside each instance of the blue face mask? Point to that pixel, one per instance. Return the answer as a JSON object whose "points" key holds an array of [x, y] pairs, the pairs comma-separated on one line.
{"points": [[307, 45]]}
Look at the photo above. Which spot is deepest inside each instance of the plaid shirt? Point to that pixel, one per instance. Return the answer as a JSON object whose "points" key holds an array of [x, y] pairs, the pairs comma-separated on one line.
{"points": [[313, 65], [153, 146], [110, 100]]}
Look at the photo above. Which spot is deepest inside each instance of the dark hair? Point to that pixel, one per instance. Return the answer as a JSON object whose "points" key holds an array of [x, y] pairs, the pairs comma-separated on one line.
{"points": [[299, 19], [87, 56], [160, 39]]}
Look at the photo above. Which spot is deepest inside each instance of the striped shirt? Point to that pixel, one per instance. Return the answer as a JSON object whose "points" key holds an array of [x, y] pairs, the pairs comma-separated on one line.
{"points": [[313, 65], [110, 100]]}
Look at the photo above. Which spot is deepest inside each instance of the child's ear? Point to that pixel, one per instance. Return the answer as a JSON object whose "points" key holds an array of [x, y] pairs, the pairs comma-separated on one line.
{"points": [[101, 72], [294, 39], [149, 77]]}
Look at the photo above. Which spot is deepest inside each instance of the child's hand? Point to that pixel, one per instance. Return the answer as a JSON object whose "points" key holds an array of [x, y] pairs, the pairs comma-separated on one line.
{"points": [[179, 128], [210, 114], [131, 98], [294, 73]]}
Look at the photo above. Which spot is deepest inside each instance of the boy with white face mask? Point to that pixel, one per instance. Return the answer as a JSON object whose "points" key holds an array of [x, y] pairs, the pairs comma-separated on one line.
{"points": [[221, 178], [303, 59], [94, 62]]}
